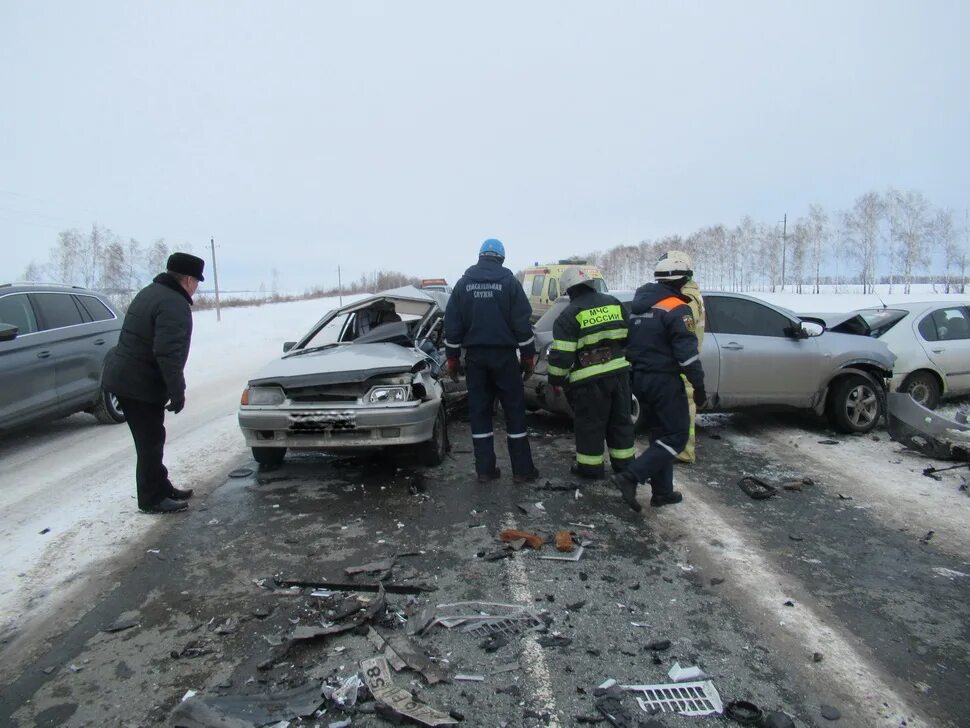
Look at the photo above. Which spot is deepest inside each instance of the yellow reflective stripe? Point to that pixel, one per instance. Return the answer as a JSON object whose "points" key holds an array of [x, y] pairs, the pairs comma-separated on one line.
{"points": [[560, 345], [606, 367], [625, 454], [601, 315], [589, 459], [557, 371], [602, 336]]}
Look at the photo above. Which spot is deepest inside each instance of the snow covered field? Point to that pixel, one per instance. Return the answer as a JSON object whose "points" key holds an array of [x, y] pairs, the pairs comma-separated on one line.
{"points": [[75, 477]]}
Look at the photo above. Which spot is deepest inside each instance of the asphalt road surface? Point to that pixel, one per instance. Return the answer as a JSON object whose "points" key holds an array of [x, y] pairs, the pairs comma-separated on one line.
{"points": [[823, 595]]}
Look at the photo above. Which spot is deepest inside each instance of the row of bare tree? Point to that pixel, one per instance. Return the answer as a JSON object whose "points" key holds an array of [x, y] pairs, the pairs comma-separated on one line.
{"points": [[898, 232]]}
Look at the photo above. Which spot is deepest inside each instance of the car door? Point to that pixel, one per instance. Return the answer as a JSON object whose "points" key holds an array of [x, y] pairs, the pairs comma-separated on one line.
{"points": [[26, 365], [71, 340], [944, 334], [761, 362]]}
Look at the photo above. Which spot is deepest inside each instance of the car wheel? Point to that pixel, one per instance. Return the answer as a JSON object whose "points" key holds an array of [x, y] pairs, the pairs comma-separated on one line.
{"points": [[855, 404], [269, 455], [923, 387], [108, 409], [433, 451]]}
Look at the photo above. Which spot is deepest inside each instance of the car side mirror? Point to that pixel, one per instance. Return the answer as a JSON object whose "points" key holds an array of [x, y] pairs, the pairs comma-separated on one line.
{"points": [[8, 332], [287, 345], [806, 330]]}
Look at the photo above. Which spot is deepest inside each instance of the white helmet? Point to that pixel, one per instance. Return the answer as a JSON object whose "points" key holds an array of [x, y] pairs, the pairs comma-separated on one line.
{"points": [[576, 277], [673, 265]]}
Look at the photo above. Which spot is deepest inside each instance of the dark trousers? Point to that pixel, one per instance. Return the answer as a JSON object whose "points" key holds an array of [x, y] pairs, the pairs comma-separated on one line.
{"points": [[146, 422], [491, 374], [601, 411], [664, 401]]}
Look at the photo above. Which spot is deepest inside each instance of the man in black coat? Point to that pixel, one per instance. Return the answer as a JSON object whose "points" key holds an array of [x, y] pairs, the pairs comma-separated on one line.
{"points": [[488, 316], [145, 372]]}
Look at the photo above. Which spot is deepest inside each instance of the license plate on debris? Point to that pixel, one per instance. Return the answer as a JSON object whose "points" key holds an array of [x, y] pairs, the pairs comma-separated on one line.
{"points": [[377, 675], [323, 421]]}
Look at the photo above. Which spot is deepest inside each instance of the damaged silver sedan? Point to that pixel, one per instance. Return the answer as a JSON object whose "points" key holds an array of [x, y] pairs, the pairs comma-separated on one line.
{"points": [[367, 376]]}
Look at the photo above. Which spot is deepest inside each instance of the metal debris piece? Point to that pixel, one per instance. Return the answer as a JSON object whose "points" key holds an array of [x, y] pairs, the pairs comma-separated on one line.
{"points": [[413, 658], [756, 488], [949, 573], [689, 698], [517, 544], [400, 702], [421, 621], [241, 473], [828, 442], [574, 556], [380, 644], [611, 706], [344, 695], [576, 606], [554, 641], [296, 584], [926, 539], [590, 526], [511, 667], [462, 677], [532, 540], [494, 643], [532, 510], [744, 712], [830, 712], [659, 645], [43, 532]]}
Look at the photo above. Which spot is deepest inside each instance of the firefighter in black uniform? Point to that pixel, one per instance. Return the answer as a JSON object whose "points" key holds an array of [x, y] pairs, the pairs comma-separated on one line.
{"points": [[488, 315], [587, 358], [661, 347]]}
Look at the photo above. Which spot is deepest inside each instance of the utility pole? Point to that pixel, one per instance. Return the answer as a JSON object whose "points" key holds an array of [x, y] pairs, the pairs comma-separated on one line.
{"points": [[215, 278], [784, 247], [340, 288]]}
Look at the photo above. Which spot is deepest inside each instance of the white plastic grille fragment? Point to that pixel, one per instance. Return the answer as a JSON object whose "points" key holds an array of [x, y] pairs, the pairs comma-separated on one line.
{"points": [[687, 698]]}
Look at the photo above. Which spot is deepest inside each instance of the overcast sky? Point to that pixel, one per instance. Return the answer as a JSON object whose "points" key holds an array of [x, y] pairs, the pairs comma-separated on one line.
{"points": [[399, 135]]}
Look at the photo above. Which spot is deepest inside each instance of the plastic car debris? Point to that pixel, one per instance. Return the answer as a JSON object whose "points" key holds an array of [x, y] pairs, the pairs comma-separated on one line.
{"points": [[482, 619], [532, 540], [689, 698], [564, 541], [380, 644], [658, 645], [928, 432], [241, 473], [494, 643], [756, 488], [462, 677], [744, 712], [681, 674], [418, 662], [247, 710], [383, 566], [397, 701], [610, 704], [532, 510], [343, 695], [296, 584], [121, 624]]}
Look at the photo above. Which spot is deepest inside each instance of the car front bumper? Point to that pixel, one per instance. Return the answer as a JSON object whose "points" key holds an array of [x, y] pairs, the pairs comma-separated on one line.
{"points": [[331, 428]]}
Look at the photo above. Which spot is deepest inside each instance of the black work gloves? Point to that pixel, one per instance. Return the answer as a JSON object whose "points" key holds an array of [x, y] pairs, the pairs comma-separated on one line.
{"points": [[176, 404], [700, 396]]}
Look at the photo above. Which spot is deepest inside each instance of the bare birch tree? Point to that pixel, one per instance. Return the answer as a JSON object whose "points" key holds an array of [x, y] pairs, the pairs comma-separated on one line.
{"points": [[816, 237], [155, 257], [66, 257], [798, 245], [861, 228], [911, 226]]}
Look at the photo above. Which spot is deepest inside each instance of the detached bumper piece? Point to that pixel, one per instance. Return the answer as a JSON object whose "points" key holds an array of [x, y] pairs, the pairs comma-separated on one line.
{"points": [[918, 428]]}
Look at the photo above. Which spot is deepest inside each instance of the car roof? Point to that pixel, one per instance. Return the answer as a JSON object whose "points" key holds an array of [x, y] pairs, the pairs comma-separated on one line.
{"points": [[917, 306], [32, 287]]}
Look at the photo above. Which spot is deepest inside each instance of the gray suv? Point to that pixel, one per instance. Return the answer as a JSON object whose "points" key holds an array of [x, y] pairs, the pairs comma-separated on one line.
{"points": [[53, 344]]}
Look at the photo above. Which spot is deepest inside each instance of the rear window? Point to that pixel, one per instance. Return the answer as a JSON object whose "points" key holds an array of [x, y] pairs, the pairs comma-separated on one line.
{"points": [[95, 308], [880, 320], [57, 310]]}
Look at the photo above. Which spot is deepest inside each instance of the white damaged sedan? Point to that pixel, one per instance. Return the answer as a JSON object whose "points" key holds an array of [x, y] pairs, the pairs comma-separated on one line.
{"points": [[367, 376]]}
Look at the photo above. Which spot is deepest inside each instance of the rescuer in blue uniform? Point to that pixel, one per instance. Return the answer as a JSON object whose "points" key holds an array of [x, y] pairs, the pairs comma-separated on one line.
{"points": [[662, 346], [488, 315], [587, 358]]}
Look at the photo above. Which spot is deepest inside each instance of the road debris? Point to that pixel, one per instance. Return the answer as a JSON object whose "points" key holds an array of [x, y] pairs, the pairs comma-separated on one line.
{"points": [[532, 510], [554, 640], [247, 710], [383, 566], [926, 539], [397, 701], [483, 619], [949, 573], [658, 645], [682, 674], [744, 712], [610, 704], [241, 473], [828, 442], [574, 556], [463, 677], [380, 644], [409, 654], [778, 719], [344, 693], [121, 624], [564, 541], [532, 540], [296, 584], [45, 531], [756, 488], [689, 698]]}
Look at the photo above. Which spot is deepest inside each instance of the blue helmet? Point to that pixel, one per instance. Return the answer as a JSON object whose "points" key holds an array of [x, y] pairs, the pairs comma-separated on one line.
{"points": [[492, 247]]}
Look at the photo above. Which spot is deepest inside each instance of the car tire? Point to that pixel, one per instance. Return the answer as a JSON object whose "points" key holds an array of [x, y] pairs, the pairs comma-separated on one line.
{"points": [[108, 410], [432, 453], [924, 388], [856, 404], [269, 455]]}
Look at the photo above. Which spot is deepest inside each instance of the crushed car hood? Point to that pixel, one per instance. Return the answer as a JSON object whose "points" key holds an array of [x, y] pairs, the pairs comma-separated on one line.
{"points": [[341, 363]]}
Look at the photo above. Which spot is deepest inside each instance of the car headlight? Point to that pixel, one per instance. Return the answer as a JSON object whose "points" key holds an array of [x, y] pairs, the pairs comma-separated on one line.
{"points": [[388, 395], [265, 396]]}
